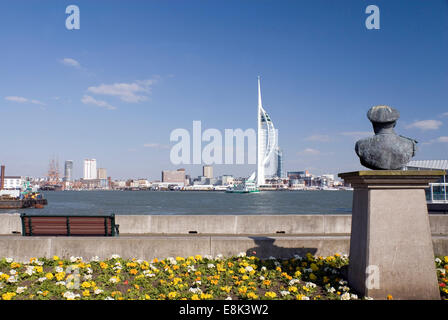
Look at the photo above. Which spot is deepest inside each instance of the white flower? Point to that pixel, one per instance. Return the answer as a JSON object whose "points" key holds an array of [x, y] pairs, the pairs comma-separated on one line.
{"points": [[297, 257], [95, 259], [293, 281], [113, 279], [39, 263], [70, 295], [353, 297], [195, 290], [9, 260], [42, 279], [198, 282], [59, 269], [438, 260], [262, 278], [29, 270], [210, 266], [60, 283], [263, 269], [13, 279], [368, 298], [87, 277], [342, 282], [305, 298], [284, 293], [242, 254], [345, 296], [442, 271], [219, 257], [172, 260], [98, 291], [331, 290], [208, 257], [115, 256], [272, 258], [12, 272], [20, 290], [109, 298], [229, 298], [147, 273], [310, 285], [73, 259], [249, 269], [89, 270]]}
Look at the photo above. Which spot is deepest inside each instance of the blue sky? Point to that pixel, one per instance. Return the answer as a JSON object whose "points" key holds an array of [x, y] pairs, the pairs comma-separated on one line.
{"points": [[136, 70]]}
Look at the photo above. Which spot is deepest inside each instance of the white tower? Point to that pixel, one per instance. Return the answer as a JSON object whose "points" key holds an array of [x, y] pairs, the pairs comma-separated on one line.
{"points": [[266, 140]]}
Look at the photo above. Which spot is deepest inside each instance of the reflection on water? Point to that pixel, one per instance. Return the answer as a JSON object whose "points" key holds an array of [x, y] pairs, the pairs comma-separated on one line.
{"points": [[194, 202]]}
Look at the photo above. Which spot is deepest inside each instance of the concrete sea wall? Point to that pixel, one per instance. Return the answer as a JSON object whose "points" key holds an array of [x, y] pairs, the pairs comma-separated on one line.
{"points": [[157, 236]]}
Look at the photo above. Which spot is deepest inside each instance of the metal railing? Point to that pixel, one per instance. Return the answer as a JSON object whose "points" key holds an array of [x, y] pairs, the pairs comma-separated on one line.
{"points": [[437, 193]]}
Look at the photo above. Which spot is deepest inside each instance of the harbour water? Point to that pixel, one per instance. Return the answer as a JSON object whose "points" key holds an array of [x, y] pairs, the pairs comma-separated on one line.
{"points": [[193, 203]]}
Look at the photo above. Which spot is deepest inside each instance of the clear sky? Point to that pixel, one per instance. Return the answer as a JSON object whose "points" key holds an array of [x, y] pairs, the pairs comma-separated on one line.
{"points": [[136, 70]]}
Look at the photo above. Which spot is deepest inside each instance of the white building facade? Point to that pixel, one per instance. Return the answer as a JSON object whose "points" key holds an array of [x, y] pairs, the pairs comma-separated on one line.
{"points": [[90, 171], [267, 144]]}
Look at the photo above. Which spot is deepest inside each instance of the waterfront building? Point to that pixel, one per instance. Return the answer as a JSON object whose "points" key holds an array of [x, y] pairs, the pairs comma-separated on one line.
{"points": [[90, 171], [227, 180], [267, 144], [280, 173], [13, 182], [207, 171], [437, 193], [174, 176], [68, 171], [101, 173]]}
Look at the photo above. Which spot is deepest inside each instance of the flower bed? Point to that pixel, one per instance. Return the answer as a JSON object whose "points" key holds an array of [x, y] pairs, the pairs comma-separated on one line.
{"points": [[192, 278]]}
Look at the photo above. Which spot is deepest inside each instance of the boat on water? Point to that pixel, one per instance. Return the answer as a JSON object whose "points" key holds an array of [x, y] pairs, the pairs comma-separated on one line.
{"points": [[249, 186]]}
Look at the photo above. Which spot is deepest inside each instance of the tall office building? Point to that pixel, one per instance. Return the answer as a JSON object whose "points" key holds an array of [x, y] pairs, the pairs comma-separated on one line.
{"points": [[90, 172], [267, 144], [68, 171], [102, 173], [207, 171], [280, 173]]}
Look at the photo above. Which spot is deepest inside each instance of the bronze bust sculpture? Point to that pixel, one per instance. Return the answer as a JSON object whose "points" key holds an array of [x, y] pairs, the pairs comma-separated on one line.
{"points": [[385, 150]]}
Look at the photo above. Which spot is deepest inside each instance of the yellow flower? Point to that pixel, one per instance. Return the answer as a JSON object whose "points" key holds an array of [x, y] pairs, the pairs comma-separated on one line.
{"points": [[86, 293], [313, 277], [226, 289], [270, 294], [389, 297], [133, 271], [15, 265], [198, 257], [38, 269], [49, 276], [103, 265], [172, 295], [195, 297], [147, 297], [242, 270], [267, 282], [55, 258], [292, 289], [297, 274], [177, 280], [206, 296], [242, 290], [300, 297], [86, 284], [60, 276], [252, 295], [8, 295], [314, 267]]}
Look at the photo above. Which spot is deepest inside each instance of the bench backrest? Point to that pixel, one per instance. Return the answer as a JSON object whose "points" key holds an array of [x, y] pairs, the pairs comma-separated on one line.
{"points": [[68, 225]]}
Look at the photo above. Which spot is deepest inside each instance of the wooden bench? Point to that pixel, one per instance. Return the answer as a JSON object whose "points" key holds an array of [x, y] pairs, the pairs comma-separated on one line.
{"points": [[69, 225]]}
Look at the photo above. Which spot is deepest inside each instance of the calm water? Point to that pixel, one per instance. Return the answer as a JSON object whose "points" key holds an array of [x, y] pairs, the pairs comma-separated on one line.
{"points": [[195, 202]]}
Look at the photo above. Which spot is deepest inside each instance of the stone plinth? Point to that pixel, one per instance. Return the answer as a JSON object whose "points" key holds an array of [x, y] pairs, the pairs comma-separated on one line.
{"points": [[391, 252]]}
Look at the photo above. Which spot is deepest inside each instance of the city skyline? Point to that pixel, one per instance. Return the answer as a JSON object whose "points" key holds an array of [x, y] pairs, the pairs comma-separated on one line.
{"points": [[115, 94]]}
